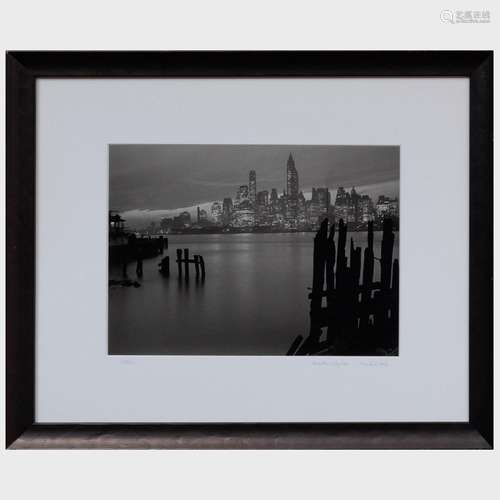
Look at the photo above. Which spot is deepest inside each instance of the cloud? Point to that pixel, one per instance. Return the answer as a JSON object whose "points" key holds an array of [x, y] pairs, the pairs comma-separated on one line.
{"points": [[164, 177]]}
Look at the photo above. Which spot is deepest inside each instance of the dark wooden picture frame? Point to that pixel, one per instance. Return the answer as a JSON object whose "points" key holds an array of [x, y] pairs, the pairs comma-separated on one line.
{"points": [[23, 69]]}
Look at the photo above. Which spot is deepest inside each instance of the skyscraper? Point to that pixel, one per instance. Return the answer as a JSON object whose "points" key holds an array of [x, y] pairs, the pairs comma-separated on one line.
{"points": [[252, 187], [347, 205], [227, 210], [320, 203], [292, 190], [355, 209], [292, 179], [242, 194]]}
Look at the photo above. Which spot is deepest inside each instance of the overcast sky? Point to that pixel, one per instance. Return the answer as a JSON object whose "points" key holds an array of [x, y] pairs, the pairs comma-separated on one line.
{"points": [[172, 176]]}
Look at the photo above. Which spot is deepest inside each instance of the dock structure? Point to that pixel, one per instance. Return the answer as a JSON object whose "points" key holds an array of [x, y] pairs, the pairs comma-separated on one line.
{"points": [[132, 248], [361, 316], [197, 260], [162, 244]]}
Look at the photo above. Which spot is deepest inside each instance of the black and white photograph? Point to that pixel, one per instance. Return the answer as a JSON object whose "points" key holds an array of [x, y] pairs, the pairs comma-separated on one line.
{"points": [[253, 250]]}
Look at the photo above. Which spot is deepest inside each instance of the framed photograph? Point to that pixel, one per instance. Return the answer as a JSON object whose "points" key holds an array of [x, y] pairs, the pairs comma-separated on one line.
{"points": [[249, 250], [253, 242]]}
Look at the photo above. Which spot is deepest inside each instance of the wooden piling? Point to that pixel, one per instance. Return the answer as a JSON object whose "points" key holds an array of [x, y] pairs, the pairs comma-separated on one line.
{"points": [[395, 275], [330, 284], [202, 266], [395, 303], [368, 267], [341, 258], [186, 263], [351, 251], [124, 268], [138, 267], [370, 235], [179, 261], [356, 265], [165, 266], [386, 254], [330, 265], [319, 261], [197, 266], [354, 296], [295, 345]]}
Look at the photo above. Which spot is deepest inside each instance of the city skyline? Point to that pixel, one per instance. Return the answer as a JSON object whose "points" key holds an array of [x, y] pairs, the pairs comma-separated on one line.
{"points": [[267, 210], [161, 177]]}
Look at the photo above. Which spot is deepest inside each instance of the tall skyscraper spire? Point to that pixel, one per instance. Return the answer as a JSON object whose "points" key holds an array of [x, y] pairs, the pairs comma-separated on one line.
{"points": [[252, 186], [292, 178], [292, 189]]}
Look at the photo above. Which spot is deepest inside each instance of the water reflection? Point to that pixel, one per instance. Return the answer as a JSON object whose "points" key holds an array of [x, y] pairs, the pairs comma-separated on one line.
{"points": [[253, 300]]}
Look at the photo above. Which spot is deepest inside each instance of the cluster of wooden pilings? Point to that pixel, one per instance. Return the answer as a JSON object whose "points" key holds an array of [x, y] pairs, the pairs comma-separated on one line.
{"points": [[361, 315], [183, 261], [197, 260]]}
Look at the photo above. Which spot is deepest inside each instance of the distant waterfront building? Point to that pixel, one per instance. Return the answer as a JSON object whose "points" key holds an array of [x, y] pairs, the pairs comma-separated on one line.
{"points": [[242, 194], [355, 214], [243, 218], [387, 207], [323, 198], [216, 212], [166, 223], [151, 229], [353, 207], [227, 210], [301, 210], [202, 216], [182, 220], [263, 209], [342, 206], [252, 187], [273, 200], [366, 209], [262, 198], [320, 204], [243, 212], [283, 204]]}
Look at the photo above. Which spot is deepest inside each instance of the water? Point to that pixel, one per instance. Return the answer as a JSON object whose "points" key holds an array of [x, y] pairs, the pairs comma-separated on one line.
{"points": [[253, 300]]}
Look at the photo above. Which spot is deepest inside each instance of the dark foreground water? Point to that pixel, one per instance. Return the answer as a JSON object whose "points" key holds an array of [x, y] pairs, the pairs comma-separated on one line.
{"points": [[253, 300]]}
